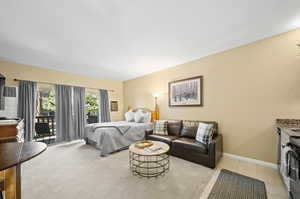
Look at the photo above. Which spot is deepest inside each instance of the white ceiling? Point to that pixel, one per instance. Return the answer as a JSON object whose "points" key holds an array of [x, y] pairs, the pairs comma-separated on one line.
{"points": [[124, 39]]}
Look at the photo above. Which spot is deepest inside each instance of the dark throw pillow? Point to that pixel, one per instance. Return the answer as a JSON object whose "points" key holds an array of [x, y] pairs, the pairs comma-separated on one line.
{"points": [[189, 131]]}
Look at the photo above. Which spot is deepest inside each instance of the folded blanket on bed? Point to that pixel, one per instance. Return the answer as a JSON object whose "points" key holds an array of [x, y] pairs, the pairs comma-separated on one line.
{"points": [[121, 129], [113, 136]]}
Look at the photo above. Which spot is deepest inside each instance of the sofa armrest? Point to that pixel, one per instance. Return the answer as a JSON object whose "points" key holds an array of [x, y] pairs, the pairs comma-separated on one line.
{"points": [[215, 150], [147, 133]]}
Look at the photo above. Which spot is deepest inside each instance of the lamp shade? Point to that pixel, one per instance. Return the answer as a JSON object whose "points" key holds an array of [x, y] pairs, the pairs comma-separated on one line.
{"points": [[156, 95]]}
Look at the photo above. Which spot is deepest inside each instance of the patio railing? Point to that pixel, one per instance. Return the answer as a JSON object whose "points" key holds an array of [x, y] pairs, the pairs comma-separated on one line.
{"points": [[45, 129]]}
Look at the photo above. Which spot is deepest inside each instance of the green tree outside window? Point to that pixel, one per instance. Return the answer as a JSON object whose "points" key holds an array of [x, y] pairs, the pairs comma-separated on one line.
{"points": [[48, 101], [92, 105]]}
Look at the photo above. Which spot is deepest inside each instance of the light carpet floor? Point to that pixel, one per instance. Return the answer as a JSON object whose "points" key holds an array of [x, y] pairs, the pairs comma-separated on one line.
{"points": [[76, 171]]}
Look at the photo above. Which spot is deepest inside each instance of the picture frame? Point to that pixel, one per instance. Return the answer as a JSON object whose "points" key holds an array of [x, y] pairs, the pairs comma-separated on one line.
{"points": [[186, 92], [114, 106]]}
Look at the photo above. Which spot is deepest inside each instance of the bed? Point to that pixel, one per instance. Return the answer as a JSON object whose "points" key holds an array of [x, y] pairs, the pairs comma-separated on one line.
{"points": [[114, 136]]}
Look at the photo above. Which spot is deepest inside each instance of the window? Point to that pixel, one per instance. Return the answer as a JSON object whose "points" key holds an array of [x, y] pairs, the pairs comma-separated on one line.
{"points": [[45, 116], [46, 100], [92, 105]]}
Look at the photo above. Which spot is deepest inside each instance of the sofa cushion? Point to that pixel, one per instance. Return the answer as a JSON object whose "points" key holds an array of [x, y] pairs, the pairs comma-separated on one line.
{"points": [[189, 144], [160, 127], [174, 127], [189, 131], [163, 138], [204, 133], [195, 123]]}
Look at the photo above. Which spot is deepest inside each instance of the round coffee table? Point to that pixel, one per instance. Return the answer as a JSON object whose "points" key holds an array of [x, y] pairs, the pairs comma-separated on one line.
{"points": [[149, 164]]}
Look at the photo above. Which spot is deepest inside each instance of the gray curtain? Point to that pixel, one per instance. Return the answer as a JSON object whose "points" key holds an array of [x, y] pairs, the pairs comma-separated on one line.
{"points": [[27, 107], [63, 114], [79, 112], [104, 106], [2, 100]]}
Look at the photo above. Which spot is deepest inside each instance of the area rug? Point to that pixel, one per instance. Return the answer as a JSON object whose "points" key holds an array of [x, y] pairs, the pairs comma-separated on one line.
{"points": [[232, 185], [76, 171]]}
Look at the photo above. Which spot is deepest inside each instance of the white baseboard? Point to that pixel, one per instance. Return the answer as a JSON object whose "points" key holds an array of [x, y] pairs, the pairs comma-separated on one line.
{"points": [[259, 162]]}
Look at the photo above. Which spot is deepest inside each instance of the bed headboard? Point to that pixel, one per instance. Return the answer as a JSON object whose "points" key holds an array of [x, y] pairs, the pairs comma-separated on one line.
{"points": [[154, 113]]}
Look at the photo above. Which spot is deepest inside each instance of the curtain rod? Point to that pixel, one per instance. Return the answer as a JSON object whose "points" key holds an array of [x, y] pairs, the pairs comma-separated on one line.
{"points": [[55, 84]]}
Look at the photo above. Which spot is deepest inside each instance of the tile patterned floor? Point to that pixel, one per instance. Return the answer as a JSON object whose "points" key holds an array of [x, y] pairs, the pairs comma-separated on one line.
{"points": [[274, 185]]}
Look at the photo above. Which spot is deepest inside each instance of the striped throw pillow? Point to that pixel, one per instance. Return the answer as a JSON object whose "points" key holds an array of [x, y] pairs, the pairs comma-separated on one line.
{"points": [[160, 127], [204, 133]]}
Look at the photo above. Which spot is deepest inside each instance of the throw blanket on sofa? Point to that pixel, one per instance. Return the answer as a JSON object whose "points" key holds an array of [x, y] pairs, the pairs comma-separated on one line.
{"points": [[112, 136]]}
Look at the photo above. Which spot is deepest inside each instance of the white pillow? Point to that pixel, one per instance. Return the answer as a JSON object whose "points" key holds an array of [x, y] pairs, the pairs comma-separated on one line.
{"points": [[147, 117], [139, 117], [129, 116], [204, 133]]}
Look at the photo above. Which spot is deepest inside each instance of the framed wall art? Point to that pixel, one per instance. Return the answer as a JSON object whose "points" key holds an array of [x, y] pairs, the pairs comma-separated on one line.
{"points": [[186, 92], [114, 106]]}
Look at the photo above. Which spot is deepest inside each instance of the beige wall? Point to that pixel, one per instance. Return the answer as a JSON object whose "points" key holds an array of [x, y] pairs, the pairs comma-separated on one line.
{"points": [[245, 90], [19, 71]]}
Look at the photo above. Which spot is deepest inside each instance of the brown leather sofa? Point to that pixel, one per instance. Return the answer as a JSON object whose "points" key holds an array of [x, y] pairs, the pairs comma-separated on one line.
{"points": [[181, 138]]}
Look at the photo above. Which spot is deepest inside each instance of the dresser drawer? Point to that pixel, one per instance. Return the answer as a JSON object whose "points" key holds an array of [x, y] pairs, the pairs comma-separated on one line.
{"points": [[8, 130]]}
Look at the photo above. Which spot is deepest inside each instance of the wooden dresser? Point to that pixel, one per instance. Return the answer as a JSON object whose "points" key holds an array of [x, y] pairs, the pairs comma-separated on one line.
{"points": [[11, 131]]}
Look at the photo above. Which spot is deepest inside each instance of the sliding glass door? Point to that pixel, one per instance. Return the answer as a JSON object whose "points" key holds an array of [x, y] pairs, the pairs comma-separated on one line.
{"points": [[92, 105], [45, 127], [45, 116]]}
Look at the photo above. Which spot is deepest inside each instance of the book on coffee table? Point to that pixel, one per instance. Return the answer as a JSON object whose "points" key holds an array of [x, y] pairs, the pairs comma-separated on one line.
{"points": [[152, 148]]}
